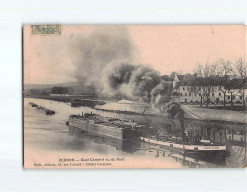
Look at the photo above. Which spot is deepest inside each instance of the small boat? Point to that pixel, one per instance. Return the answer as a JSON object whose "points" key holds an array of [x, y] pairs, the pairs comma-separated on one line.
{"points": [[49, 112], [33, 104]]}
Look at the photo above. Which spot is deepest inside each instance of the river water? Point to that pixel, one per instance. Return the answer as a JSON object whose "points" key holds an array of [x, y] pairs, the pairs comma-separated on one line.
{"points": [[47, 135]]}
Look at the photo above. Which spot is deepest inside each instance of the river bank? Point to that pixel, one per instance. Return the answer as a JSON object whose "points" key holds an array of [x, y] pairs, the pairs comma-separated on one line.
{"points": [[86, 101], [217, 115], [191, 112]]}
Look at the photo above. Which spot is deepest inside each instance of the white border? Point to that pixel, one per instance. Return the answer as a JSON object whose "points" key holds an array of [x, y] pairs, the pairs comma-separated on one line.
{"points": [[13, 14]]}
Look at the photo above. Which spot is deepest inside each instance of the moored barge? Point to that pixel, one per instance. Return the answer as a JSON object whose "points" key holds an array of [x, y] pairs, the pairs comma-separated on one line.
{"points": [[104, 126]]}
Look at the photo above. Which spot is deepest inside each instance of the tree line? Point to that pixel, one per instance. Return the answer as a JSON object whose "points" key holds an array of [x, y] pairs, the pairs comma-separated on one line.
{"points": [[223, 73], [79, 89]]}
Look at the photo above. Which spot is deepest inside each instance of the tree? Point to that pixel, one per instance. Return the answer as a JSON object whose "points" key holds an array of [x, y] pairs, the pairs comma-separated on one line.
{"points": [[34, 92], [172, 75], [194, 84], [60, 90], [241, 70], [165, 77], [197, 89], [206, 76], [224, 71], [231, 87]]}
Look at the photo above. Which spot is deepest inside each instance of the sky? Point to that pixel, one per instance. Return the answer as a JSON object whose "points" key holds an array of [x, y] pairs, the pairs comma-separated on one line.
{"points": [[49, 59]]}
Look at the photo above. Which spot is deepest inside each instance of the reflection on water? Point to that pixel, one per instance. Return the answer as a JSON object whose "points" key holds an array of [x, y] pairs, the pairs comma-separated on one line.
{"points": [[232, 135], [51, 133], [128, 146]]}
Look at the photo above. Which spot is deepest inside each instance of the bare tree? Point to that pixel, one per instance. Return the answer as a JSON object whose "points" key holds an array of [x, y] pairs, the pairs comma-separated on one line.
{"points": [[224, 70], [196, 88], [230, 87], [206, 76], [241, 70]]}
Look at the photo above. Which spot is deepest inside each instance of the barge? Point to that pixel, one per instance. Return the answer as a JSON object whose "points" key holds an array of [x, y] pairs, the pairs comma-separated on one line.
{"points": [[47, 111], [98, 125], [185, 147]]}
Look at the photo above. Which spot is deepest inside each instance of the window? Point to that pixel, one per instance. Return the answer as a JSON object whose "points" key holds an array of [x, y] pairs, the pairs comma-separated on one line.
{"points": [[240, 97], [189, 94], [185, 94], [233, 97], [219, 94], [181, 94], [212, 94], [183, 88], [228, 97], [188, 89]]}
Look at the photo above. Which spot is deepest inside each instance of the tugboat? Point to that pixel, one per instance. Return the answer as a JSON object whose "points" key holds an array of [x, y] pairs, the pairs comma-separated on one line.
{"points": [[104, 126]]}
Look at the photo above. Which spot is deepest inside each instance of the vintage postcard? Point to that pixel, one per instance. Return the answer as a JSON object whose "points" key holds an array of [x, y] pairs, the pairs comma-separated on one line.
{"points": [[135, 96]]}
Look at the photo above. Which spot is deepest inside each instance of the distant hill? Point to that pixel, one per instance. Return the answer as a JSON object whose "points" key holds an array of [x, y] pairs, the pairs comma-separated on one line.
{"points": [[73, 88], [45, 86]]}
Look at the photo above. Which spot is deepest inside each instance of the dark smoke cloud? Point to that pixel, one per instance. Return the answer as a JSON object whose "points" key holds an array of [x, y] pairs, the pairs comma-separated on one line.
{"points": [[138, 82], [161, 94], [117, 74], [104, 58], [143, 81], [93, 52]]}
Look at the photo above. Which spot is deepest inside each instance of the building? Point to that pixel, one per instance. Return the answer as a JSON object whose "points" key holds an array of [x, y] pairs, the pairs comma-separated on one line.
{"points": [[193, 94]]}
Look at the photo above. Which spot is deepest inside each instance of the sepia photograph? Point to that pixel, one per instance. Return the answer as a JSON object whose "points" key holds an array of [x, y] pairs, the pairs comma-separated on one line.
{"points": [[134, 96]]}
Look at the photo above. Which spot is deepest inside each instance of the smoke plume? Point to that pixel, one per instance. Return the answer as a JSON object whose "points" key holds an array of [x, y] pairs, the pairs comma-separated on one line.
{"points": [[93, 52], [104, 57], [139, 82]]}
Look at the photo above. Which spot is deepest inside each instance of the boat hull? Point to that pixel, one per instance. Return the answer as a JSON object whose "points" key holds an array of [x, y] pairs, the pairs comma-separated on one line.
{"points": [[187, 148], [102, 130]]}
